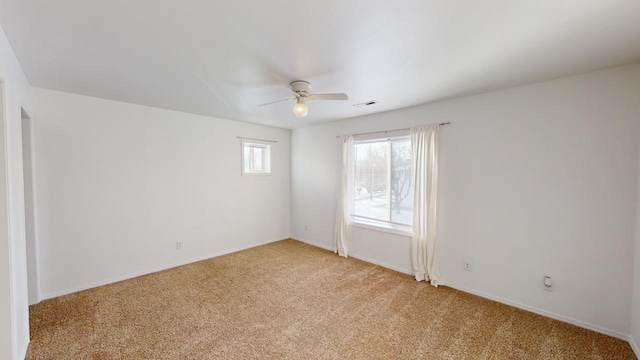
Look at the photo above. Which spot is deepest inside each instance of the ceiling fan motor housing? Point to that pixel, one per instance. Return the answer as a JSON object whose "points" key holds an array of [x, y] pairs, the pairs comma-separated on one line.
{"points": [[301, 87]]}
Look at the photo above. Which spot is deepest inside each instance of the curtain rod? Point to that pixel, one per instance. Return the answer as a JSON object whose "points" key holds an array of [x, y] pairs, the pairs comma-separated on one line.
{"points": [[386, 131], [248, 138]]}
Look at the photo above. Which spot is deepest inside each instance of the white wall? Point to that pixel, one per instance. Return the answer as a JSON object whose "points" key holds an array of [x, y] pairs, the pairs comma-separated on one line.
{"points": [[120, 184], [535, 180], [635, 315], [14, 313]]}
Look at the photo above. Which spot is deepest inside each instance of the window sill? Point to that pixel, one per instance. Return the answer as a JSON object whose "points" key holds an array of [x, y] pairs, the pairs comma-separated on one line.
{"points": [[255, 174], [382, 228]]}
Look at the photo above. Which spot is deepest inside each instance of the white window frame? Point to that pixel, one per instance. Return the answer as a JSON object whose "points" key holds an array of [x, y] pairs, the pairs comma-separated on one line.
{"points": [[371, 223], [266, 159]]}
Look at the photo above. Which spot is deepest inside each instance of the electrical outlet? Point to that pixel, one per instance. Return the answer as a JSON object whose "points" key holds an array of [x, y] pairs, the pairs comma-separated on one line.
{"points": [[306, 228], [467, 265], [178, 245], [548, 284]]}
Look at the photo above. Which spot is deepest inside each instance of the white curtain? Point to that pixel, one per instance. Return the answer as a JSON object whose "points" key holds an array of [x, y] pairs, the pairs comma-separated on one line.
{"points": [[424, 146], [343, 208]]}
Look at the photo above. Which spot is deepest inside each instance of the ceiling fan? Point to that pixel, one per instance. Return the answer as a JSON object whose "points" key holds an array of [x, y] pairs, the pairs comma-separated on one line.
{"points": [[300, 90]]}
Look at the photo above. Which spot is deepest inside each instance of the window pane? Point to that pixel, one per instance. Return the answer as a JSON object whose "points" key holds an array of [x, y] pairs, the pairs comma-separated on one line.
{"points": [[247, 157], [257, 159], [383, 180], [401, 183], [372, 180]]}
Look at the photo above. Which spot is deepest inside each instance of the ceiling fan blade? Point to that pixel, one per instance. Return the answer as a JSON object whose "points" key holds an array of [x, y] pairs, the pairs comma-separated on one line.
{"points": [[277, 101], [329, 97], [288, 89]]}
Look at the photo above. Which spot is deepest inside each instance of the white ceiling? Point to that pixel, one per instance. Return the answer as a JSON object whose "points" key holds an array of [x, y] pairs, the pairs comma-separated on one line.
{"points": [[219, 58]]}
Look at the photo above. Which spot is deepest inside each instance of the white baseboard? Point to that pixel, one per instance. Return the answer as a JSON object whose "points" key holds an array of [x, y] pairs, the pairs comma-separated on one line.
{"points": [[634, 346], [535, 310], [545, 313], [380, 263], [356, 256], [312, 243], [152, 270]]}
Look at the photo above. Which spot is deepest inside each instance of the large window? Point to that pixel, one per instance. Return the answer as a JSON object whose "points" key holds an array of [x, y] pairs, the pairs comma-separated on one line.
{"points": [[383, 180], [256, 158]]}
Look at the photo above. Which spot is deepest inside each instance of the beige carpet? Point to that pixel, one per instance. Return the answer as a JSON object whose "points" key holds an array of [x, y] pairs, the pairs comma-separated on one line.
{"points": [[289, 300]]}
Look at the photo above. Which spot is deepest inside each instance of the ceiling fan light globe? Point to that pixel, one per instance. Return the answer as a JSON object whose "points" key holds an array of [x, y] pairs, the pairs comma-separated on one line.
{"points": [[300, 109]]}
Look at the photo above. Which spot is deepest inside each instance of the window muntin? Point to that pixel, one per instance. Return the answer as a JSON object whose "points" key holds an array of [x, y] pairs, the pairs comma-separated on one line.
{"points": [[256, 158], [383, 179]]}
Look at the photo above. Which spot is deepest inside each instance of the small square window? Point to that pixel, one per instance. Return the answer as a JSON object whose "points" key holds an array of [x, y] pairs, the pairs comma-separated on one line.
{"points": [[256, 158]]}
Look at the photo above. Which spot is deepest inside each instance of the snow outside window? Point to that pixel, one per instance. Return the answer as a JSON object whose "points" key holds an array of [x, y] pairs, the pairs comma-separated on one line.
{"points": [[383, 179]]}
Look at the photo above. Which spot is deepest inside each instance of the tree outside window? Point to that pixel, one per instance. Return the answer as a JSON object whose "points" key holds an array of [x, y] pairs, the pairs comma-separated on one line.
{"points": [[384, 181]]}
